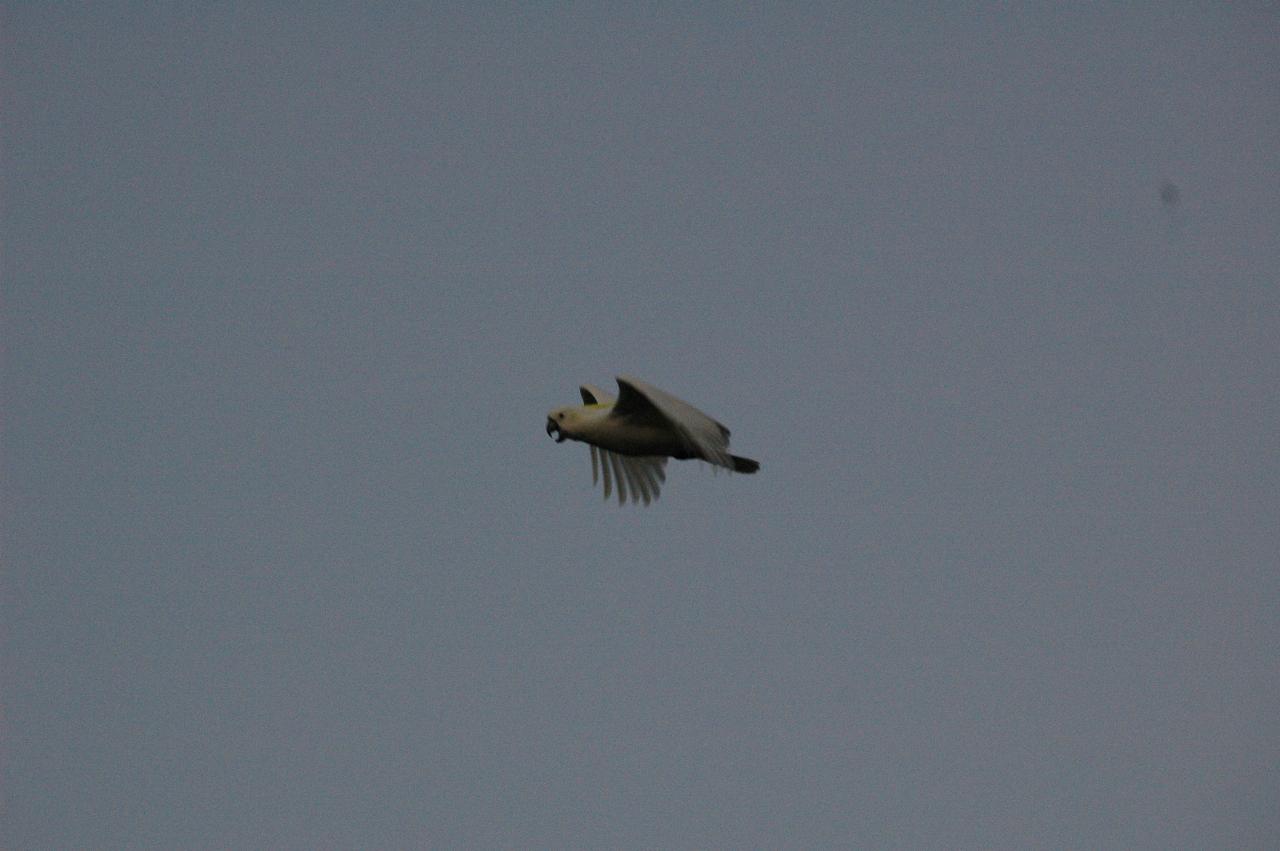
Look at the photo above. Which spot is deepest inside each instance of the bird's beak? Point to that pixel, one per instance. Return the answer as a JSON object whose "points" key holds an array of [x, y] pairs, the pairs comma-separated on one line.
{"points": [[554, 430]]}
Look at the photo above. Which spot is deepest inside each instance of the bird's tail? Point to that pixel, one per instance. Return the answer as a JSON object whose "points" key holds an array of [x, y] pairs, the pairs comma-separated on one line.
{"points": [[744, 465]]}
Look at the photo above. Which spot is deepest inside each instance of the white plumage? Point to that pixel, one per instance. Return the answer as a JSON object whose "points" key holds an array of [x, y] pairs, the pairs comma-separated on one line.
{"points": [[632, 436]]}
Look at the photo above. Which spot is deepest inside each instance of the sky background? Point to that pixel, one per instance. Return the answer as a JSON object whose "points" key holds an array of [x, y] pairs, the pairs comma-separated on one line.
{"points": [[289, 560]]}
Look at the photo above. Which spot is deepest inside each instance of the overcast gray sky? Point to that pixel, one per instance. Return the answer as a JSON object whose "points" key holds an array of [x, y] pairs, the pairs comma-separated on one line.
{"points": [[290, 562]]}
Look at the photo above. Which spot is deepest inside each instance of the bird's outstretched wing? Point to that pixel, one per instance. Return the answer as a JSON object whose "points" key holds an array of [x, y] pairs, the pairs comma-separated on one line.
{"points": [[644, 474], [643, 403]]}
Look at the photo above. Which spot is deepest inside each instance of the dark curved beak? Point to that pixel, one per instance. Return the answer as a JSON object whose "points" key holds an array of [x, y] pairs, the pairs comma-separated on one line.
{"points": [[554, 430]]}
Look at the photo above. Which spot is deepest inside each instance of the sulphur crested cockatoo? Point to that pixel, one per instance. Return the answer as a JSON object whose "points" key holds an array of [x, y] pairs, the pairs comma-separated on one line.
{"points": [[632, 436]]}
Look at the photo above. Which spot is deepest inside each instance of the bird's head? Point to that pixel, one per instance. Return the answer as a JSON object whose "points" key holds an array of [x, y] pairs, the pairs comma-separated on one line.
{"points": [[561, 422]]}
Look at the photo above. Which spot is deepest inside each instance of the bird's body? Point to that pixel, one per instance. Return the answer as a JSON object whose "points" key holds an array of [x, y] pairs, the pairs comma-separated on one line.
{"points": [[634, 435], [595, 424]]}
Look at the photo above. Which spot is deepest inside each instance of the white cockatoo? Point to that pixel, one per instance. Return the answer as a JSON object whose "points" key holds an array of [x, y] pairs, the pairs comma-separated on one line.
{"points": [[632, 436]]}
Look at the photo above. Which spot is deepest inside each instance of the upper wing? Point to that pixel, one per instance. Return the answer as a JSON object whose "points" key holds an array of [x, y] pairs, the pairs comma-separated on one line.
{"points": [[643, 402], [592, 395]]}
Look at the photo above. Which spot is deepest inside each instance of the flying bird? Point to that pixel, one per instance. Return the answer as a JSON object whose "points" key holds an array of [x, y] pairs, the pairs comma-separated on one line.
{"points": [[631, 437]]}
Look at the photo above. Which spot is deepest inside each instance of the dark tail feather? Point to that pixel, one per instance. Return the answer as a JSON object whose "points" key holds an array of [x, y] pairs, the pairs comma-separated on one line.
{"points": [[744, 465]]}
